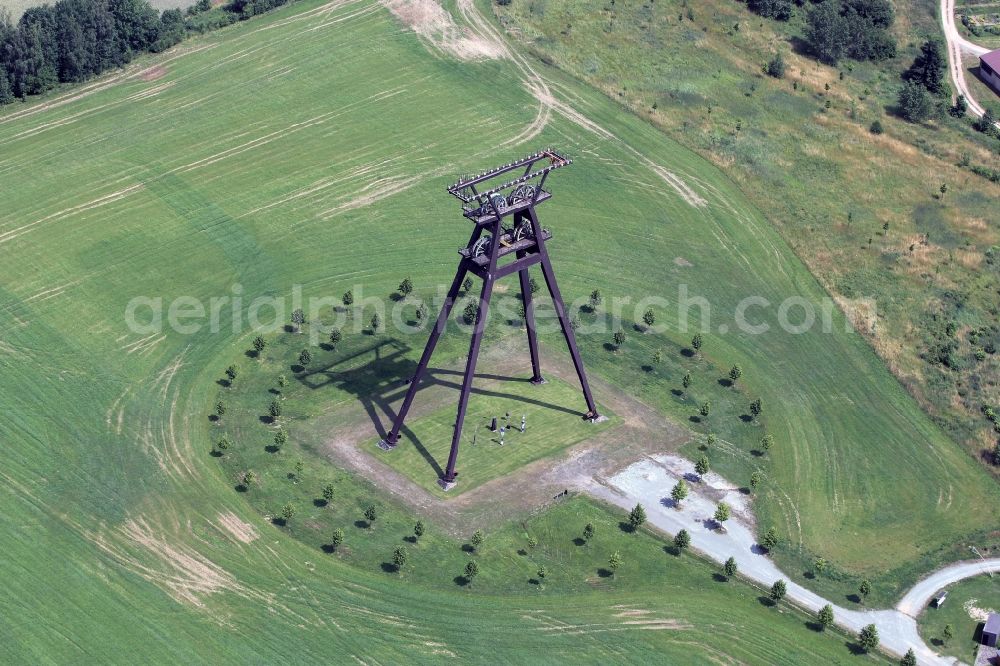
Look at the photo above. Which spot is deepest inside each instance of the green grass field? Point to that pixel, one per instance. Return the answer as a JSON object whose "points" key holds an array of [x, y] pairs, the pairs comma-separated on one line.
{"points": [[121, 530], [966, 599], [829, 185]]}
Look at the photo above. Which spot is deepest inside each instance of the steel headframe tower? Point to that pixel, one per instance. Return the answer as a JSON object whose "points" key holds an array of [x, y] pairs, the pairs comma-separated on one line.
{"points": [[490, 242]]}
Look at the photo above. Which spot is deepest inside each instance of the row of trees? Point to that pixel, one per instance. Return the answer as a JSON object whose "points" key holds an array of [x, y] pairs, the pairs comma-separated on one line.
{"points": [[74, 40], [857, 29]]}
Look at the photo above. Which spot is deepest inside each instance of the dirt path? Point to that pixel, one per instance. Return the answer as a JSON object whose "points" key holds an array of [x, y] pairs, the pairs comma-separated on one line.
{"points": [[649, 482], [957, 45]]}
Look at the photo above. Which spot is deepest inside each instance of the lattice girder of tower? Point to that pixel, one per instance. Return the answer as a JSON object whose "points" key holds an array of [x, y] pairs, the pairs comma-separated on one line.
{"points": [[510, 192]]}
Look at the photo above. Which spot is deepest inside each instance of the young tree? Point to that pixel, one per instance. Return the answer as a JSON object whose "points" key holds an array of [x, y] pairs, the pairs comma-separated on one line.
{"points": [[467, 285], [705, 409], [756, 407], [928, 69], [679, 492], [477, 539], [471, 570], [399, 557], [298, 319], [710, 440], [947, 634], [770, 540], [280, 439], [943, 190], [686, 381], [418, 530], [825, 617], [595, 299], [961, 107], [298, 470], [636, 517], [778, 590], [682, 540], [819, 565], [533, 285], [282, 381], [370, 515], [766, 442], [915, 104], [406, 287], [648, 317], [619, 339], [696, 343], [287, 512], [986, 123], [274, 409], [348, 299], [721, 513], [532, 542], [220, 409], [588, 531], [909, 659], [865, 589], [259, 343], [541, 573], [222, 445], [729, 568], [337, 538], [376, 323], [756, 478], [868, 637], [249, 478], [422, 312], [735, 373], [615, 561], [305, 358], [776, 67], [335, 337], [328, 493], [469, 314], [701, 466]]}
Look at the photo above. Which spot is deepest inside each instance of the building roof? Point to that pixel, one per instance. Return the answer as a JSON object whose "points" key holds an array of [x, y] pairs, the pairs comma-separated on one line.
{"points": [[992, 59], [992, 624]]}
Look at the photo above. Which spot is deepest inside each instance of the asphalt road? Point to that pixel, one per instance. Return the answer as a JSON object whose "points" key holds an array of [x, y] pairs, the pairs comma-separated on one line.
{"points": [[649, 482]]}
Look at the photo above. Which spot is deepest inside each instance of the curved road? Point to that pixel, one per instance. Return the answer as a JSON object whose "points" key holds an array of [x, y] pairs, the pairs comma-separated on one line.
{"points": [[957, 44], [649, 482]]}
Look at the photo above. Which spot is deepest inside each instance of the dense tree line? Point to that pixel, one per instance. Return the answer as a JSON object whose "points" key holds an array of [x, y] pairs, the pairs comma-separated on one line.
{"points": [[857, 29], [74, 40]]}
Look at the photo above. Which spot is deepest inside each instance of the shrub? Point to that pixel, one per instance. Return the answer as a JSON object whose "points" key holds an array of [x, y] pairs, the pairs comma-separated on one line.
{"points": [[776, 67]]}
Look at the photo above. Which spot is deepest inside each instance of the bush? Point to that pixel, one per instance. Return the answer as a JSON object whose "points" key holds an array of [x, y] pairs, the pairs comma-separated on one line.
{"points": [[776, 67], [986, 124], [780, 10], [915, 103], [876, 127]]}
